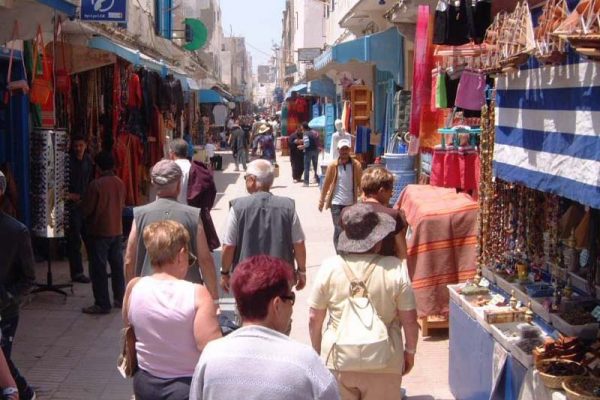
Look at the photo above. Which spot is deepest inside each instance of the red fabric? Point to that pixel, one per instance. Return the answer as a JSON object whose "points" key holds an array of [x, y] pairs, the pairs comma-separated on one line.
{"points": [[155, 141], [442, 247], [469, 170], [134, 100], [128, 153], [452, 168], [116, 98], [437, 168], [421, 70]]}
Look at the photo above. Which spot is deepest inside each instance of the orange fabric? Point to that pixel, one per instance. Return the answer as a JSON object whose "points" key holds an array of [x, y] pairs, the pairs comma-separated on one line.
{"points": [[128, 152], [442, 245]]}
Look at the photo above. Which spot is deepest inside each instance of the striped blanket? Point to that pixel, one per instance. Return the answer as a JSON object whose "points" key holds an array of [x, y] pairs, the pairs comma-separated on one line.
{"points": [[548, 129], [441, 243]]}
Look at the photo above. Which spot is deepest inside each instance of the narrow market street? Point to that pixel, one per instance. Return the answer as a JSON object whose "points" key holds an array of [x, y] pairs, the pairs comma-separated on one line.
{"points": [[69, 355]]}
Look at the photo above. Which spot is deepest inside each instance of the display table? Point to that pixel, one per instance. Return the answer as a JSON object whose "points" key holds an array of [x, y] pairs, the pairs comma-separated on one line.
{"points": [[441, 243], [472, 361]]}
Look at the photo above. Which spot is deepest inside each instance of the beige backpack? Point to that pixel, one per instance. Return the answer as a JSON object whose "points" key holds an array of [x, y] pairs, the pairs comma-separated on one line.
{"points": [[362, 342]]}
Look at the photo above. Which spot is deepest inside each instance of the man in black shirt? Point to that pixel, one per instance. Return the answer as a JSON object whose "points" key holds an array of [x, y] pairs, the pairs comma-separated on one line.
{"points": [[81, 173], [17, 276]]}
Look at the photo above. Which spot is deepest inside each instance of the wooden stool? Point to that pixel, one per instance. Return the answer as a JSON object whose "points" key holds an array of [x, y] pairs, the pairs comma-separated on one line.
{"points": [[432, 322]]}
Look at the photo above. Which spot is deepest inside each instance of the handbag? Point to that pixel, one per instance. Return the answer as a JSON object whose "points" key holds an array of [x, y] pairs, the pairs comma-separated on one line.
{"points": [[127, 363], [21, 84], [41, 87], [61, 75]]}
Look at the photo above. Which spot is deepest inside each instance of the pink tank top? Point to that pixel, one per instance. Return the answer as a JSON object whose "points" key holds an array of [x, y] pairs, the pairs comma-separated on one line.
{"points": [[162, 314]]}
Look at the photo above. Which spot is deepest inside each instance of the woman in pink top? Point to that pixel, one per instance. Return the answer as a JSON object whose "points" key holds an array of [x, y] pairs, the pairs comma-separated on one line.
{"points": [[173, 319]]}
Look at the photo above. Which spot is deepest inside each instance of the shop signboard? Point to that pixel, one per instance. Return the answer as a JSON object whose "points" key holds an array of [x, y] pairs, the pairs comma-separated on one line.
{"points": [[290, 69], [308, 54], [104, 10]]}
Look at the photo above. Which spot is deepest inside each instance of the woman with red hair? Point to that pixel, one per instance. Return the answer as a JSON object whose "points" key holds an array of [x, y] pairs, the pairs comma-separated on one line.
{"points": [[258, 359]]}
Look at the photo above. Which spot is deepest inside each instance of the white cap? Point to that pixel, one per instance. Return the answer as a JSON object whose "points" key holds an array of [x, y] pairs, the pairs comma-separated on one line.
{"points": [[344, 143]]}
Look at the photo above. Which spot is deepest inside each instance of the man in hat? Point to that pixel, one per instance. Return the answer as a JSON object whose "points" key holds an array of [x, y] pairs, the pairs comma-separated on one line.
{"points": [[389, 290], [17, 277], [166, 178], [263, 223], [341, 186]]}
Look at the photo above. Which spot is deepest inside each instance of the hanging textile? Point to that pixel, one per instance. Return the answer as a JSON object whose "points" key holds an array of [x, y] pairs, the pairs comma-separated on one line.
{"points": [[128, 153], [363, 139], [422, 70]]}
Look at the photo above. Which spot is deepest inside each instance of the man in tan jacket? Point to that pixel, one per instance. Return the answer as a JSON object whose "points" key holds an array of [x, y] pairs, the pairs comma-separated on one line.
{"points": [[341, 187]]}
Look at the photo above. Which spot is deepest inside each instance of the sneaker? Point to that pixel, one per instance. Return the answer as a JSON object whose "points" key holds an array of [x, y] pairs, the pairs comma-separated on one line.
{"points": [[95, 309], [81, 278]]}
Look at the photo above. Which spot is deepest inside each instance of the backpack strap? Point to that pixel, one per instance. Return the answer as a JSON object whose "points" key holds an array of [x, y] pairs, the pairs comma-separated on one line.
{"points": [[359, 286]]}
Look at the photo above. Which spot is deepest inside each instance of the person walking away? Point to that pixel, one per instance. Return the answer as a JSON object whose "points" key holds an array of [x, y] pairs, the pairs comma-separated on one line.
{"points": [[341, 187], [268, 364], [239, 145], [310, 140], [263, 223], [81, 173], [377, 185], [178, 151], [173, 319], [17, 277], [103, 208], [166, 178], [385, 283], [296, 155], [266, 141]]}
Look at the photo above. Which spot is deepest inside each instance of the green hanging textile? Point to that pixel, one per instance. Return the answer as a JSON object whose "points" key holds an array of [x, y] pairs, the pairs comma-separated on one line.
{"points": [[441, 99], [35, 110]]}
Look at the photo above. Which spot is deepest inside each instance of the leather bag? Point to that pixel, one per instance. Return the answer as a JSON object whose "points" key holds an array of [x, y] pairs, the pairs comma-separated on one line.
{"points": [[127, 363], [20, 85], [41, 85]]}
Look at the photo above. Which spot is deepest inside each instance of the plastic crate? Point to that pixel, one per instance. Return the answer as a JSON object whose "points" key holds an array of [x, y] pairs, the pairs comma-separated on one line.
{"points": [[399, 162], [401, 180]]}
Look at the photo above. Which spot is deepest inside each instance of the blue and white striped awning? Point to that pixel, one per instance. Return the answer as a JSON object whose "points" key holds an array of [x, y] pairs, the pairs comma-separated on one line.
{"points": [[548, 129]]}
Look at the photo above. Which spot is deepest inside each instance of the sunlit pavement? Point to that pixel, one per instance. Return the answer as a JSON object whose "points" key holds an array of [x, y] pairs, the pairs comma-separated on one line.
{"points": [[65, 354]]}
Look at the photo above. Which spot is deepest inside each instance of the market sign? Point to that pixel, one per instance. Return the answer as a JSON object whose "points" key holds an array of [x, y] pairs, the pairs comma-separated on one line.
{"points": [[195, 34], [291, 69], [104, 10], [308, 54]]}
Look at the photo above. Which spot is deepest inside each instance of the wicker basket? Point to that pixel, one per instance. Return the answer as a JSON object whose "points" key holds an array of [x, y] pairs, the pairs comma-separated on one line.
{"points": [[553, 381], [569, 385]]}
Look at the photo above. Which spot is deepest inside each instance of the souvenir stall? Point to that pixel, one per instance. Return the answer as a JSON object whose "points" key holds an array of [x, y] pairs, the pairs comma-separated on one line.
{"points": [[526, 325]]}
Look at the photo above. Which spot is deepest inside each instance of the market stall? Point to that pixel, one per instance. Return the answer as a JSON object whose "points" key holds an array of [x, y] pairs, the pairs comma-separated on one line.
{"points": [[534, 300]]}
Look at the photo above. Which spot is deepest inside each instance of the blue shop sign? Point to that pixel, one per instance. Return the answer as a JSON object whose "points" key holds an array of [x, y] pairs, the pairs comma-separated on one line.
{"points": [[104, 10]]}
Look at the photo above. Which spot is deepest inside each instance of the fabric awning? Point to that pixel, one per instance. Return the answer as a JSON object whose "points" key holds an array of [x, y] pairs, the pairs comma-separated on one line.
{"points": [[133, 56], [384, 49], [210, 96], [322, 87], [300, 89]]}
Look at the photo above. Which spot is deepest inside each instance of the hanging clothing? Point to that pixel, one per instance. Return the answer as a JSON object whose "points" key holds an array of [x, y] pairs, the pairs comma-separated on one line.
{"points": [[156, 137], [422, 70], [128, 152], [363, 138]]}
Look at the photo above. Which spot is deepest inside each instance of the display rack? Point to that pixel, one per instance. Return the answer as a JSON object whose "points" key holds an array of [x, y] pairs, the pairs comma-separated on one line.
{"points": [[49, 188]]}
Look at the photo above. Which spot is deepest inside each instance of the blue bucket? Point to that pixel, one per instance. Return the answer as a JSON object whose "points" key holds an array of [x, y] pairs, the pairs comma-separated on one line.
{"points": [[399, 162]]}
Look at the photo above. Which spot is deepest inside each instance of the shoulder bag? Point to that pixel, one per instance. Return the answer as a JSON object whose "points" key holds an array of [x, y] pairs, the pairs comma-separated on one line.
{"points": [[21, 84]]}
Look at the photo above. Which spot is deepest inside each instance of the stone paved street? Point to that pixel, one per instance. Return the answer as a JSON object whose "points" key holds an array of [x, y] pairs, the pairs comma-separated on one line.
{"points": [[69, 355]]}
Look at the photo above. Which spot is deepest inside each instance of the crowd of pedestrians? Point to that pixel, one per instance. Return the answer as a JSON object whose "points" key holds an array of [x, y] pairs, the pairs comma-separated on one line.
{"points": [[167, 286]]}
